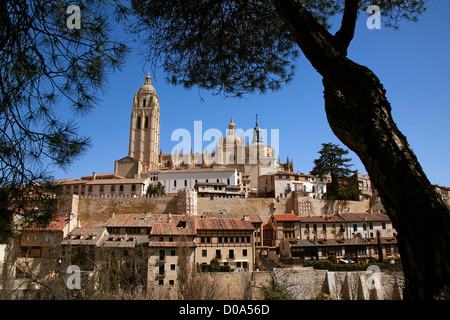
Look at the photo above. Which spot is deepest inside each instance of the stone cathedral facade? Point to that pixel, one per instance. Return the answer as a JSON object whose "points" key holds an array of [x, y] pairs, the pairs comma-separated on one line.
{"points": [[143, 152], [252, 158]]}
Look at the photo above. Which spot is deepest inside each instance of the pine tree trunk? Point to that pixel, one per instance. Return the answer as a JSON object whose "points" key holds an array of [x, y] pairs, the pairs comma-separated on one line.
{"points": [[360, 116], [365, 125]]}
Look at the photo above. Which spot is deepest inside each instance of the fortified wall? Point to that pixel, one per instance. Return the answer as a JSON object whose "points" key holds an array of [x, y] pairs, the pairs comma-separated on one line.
{"points": [[102, 208], [306, 283]]}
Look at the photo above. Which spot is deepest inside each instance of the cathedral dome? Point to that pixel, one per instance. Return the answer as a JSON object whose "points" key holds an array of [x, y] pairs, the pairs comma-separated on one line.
{"points": [[147, 87], [231, 126]]}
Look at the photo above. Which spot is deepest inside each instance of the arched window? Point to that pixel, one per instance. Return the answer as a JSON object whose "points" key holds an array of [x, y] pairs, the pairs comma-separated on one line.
{"points": [[143, 103], [138, 123]]}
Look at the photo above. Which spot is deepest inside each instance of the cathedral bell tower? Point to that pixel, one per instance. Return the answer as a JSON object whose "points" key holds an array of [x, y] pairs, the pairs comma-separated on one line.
{"points": [[144, 127]]}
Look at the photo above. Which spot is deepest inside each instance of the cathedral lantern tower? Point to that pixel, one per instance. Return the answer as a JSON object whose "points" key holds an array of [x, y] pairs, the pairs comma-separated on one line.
{"points": [[144, 127]]}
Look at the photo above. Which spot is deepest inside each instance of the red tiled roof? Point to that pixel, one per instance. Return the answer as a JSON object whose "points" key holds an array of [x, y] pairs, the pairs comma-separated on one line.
{"points": [[322, 219], [285, 217], [222, 224], [136, 220], [253, 217], [58, 223], [365, 216]]}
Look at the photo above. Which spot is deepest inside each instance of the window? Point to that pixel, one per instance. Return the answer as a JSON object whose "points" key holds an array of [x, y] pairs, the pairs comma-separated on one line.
{"points": [[172, 267], [121, 187], [173, 252], [90, 189], [383, 225], [371, 226], [138, 122], [204, 253], [133, 187], [364, 227], [143, 103], [218, 254], [161, 270], [244, 252], [102, 188], [174, 183], [231, 254], [113, 188], [160, 283], [161, 239], [171, 283], [146, 122], [162, 255], [355, 228]]}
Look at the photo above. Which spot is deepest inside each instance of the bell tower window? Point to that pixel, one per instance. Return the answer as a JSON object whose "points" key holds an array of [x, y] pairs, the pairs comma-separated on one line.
{"points": [[138, 123]]}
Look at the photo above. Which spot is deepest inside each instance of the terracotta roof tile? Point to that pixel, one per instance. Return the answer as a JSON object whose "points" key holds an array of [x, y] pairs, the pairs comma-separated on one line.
{"points": [[285, 217]]}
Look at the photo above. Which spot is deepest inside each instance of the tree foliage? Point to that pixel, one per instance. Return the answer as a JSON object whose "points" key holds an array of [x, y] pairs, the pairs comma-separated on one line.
{"points": [[230, 47], [157, 189], [43, 66], [344, 183], [234, 47], [275, 291]]}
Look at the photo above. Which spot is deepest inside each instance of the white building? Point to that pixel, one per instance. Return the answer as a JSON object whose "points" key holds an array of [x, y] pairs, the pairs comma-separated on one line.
{"points": [[179, 179], [282, 184], [366, 225], [105, 184]]}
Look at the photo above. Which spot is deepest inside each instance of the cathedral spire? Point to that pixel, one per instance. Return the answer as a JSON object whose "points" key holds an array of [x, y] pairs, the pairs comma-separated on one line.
{"points": [[257, 134]]}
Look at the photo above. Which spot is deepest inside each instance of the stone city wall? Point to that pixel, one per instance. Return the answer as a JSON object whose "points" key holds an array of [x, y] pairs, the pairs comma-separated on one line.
{"points": [[102, 208], [306, 283]]}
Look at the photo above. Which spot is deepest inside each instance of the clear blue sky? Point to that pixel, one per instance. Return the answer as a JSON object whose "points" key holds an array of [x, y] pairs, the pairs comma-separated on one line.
{"points": [[413, 63]]}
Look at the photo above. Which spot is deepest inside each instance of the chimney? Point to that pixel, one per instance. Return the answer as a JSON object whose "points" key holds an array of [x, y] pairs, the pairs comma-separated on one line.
{"points": [[94, 175]]}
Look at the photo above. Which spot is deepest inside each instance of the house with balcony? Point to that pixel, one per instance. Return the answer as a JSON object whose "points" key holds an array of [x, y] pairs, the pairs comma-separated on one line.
{"points": [[283, 184], [217, 190], [366, 224], [229, 240], [281, 226], [171, 242], [322, 227]]}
